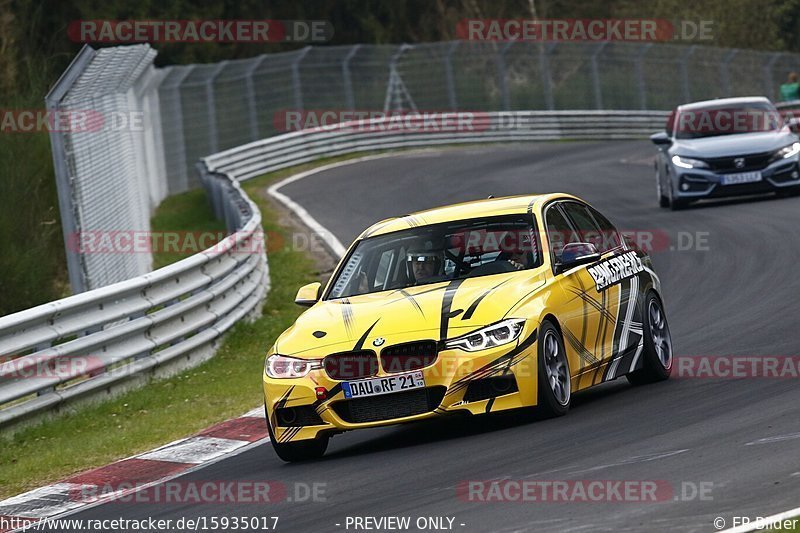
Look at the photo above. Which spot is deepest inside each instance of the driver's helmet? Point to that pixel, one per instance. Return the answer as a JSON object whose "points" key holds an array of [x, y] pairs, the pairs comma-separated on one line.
{"points": [[428, 264]]}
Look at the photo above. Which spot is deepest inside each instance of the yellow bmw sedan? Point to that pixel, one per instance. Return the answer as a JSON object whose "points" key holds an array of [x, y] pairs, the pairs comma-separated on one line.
{"points": [[478, 307]]}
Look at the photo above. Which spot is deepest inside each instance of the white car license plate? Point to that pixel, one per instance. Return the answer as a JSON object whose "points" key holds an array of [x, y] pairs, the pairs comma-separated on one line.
{"points": [[741, 177], [387, 385]]}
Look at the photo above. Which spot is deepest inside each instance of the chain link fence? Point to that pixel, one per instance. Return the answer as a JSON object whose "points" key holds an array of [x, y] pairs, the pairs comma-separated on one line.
{"points": [[113, 180]]}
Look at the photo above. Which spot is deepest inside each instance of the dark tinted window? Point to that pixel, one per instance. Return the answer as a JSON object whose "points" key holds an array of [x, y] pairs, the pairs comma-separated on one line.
{"points": [[559, 231], [610, 235]]}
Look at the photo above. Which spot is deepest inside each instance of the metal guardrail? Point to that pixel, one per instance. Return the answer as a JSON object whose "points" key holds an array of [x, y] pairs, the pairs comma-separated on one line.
{"points": [[177, 313], [92, 343], [275, 153]]}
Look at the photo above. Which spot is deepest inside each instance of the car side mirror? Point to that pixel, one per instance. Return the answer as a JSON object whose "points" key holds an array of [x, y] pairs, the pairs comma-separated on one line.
{"points": [[575, 254], [308, 295], [661, 138]]}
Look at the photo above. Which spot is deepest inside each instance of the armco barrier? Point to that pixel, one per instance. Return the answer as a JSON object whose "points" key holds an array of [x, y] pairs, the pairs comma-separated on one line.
{"points": [[282, 151], [173, 317], [101, 341]]}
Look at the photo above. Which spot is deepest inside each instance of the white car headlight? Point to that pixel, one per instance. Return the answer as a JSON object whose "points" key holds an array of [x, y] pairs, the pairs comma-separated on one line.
{"points": [[280, 366], [488, 337], [688, 162], [787, 151]]}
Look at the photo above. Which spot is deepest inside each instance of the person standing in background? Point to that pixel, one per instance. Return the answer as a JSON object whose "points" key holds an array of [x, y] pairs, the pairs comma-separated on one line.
{"points": [[789, 90]]}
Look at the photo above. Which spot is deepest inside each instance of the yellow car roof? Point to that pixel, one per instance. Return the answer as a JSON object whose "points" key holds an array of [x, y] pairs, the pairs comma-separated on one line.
{"points": [[507, 205]]}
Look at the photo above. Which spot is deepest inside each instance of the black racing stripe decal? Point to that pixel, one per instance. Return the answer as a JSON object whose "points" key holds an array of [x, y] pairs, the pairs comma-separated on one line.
{"points": [[587, 298], [474, 305], [505, 372], [363, 339], [494, 367], [585, 355], [414, 295], [447, 302], [618, 327], [603, 328], [410, 298], [279, 405], [347, 316], [289, 434], [336, 389]]}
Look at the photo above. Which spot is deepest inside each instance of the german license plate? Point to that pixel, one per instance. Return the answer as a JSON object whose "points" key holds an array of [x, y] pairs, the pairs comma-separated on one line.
{"points": [[741, 177], [377, 386]]}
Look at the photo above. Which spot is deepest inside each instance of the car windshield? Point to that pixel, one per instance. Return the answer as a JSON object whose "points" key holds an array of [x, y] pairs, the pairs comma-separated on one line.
{"points": [[438, 252], [726, 120]]}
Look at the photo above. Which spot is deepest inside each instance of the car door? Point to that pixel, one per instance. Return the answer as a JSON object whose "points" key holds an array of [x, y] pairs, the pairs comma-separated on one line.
{"points": [[584, 317]]}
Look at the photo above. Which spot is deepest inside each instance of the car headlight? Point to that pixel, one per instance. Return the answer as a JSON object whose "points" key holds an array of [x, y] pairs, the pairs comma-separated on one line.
{"points": [[688, 162], [786, 152], [280, 366], [488, 337]]}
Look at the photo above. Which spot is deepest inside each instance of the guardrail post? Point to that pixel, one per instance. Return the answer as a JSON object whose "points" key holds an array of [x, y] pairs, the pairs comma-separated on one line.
{"points": [[684, 61], [250, 91], [349, 99], [297, 84], [545, 50], [598, 90], [448, 75], [502, 76], [725, 72]]}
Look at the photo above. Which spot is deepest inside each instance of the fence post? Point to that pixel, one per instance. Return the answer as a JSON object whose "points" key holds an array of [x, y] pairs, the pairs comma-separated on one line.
{"points": [[250, 90], [350, 102], [640, 75], [502, 75], [213, 136], [684, 60], [448, 75], [598, 91], [66, 202], [544, 65], [769, 85], [725, 72], [297, 85]]}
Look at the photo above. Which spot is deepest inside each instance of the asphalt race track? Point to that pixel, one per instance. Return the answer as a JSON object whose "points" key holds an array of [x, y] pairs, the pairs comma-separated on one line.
{"points": [[734, 294]]}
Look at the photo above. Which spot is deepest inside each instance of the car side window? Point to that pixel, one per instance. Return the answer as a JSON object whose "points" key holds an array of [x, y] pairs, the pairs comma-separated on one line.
{"points": [[588, 230], [610, 238], [559, 231]]}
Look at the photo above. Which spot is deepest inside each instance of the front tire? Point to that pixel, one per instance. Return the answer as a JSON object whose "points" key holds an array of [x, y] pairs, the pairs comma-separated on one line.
{"points": [[293, 452], [663, 201], [657, 351], [555, 387]]}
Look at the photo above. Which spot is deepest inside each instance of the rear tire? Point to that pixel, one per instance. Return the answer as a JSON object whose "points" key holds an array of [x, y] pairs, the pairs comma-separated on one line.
{"points": [[555, 387], [657, 351], [293, 452]]}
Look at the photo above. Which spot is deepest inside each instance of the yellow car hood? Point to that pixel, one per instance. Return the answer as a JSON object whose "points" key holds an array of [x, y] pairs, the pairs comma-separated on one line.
{"points": [[436, 311]]}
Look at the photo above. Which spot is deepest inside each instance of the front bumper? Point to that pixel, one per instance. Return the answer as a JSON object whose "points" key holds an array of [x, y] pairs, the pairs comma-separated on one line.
{"points": [[698, 183], [491, 380]]}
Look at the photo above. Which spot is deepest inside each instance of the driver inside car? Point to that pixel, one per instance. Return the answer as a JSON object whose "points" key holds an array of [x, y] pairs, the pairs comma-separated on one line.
{"points": [[424, 266]]}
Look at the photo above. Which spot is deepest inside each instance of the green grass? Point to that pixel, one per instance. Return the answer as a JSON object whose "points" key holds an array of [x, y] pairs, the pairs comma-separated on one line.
{"points": [[32, 261], [187, 212], [168, 409]]}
